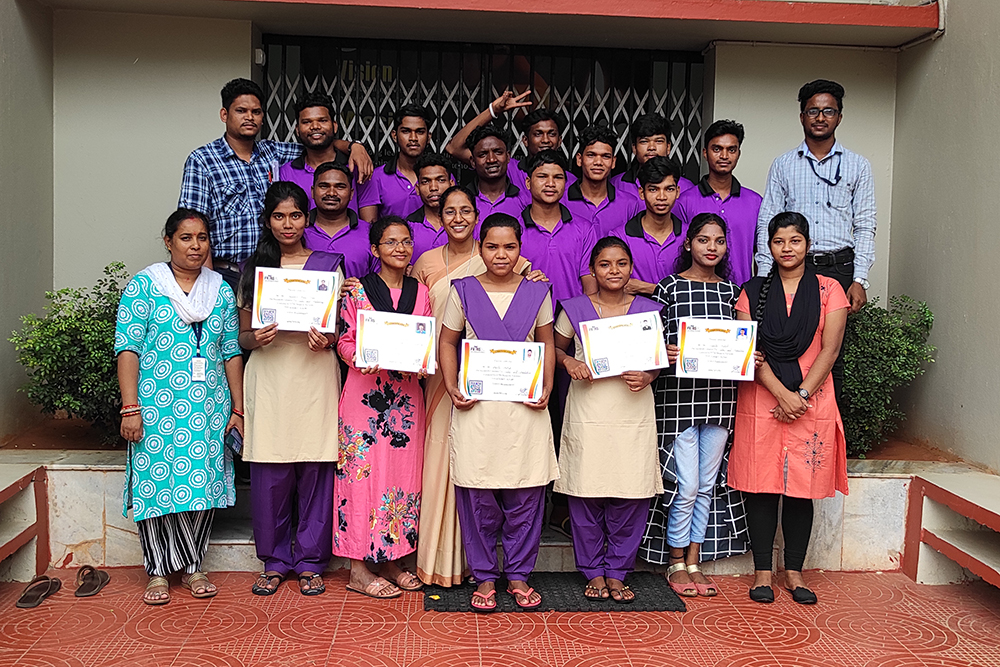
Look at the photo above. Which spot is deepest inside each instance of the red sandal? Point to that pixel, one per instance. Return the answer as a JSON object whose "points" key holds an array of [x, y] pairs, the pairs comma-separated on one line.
{"points": [[487, 605], [525, 596]]}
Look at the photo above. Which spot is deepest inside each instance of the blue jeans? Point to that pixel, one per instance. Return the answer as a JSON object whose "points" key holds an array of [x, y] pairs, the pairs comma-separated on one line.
{"points": [[698, 453]]}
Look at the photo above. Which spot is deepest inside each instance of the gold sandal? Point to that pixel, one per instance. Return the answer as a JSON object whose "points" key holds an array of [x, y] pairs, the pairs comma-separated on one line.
{"points": [[157, 582], [192, 583]]}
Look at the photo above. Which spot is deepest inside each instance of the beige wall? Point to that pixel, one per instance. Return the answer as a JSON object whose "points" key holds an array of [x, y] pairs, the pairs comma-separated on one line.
{"points": [[133, 96], [25, 185], [757, 86], [945, 243]]}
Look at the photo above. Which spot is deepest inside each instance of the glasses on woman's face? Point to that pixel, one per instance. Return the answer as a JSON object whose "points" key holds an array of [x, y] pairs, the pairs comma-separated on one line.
{"points": [[392, 244], [466, 212], [828, 112]]}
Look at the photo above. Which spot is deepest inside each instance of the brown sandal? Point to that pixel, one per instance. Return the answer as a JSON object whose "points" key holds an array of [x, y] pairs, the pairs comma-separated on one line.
{"points": [[191, 583], [377, 589], [157, 582], [90, 581], [37, 590]]}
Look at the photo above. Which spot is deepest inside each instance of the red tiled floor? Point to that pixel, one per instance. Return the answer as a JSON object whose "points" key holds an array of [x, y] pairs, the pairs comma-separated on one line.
{"points": [[863, 620]]}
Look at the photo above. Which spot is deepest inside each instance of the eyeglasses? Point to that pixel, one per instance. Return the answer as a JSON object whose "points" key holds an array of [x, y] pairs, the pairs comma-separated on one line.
{"points": [[465, 211], [828, 112], [392, 244]]}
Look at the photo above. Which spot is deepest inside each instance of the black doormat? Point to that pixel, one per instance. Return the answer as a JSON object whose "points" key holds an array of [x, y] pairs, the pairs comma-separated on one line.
{"points": [[562, 591]]}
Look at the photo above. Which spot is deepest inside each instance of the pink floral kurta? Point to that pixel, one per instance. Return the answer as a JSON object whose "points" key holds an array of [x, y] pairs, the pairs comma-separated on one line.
{"points": [[377, 492]]}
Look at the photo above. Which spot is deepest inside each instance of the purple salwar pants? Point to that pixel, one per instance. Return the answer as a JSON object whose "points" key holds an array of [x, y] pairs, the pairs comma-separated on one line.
{"points": [[619, 521], [273, 489], [516, 515]]}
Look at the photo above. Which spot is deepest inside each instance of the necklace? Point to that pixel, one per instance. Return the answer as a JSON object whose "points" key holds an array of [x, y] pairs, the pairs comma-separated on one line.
{"points": [[600, 311], [447, 267]]}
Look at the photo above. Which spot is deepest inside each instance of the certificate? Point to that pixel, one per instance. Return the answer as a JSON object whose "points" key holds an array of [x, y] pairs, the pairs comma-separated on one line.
{"points": [[395, 342], [295, 299], [614, 345], [716, 349], [502, 370]]}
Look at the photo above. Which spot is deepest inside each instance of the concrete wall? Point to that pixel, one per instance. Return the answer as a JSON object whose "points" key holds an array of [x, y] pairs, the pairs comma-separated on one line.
{"points": [[25, 185], [134, 94], [945, 243], [757, 86]]}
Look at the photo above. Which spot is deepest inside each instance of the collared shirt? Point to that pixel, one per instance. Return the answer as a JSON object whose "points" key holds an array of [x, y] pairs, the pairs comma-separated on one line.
{"points": [[299, 172], [390, 191], [563, 254], [230, 192], [519, 177], [627, 182], [835, 194], [607, 216], [351, 241], [512, 202], [740, 210], [652, 261], [425, 236]]}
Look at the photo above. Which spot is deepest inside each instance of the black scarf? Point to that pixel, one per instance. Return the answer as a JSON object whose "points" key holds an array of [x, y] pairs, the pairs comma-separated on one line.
{"points": [[380, 297], [784, 337]]}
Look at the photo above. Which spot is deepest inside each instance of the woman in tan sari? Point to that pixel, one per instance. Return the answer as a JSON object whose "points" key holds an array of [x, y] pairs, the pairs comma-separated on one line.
{"points": [[440, 560]]}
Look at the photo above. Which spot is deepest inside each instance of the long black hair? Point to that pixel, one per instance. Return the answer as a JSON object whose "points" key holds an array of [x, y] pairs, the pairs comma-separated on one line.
{"points": [[179, 216], [700, 221], [268, 251], [780, 221]]}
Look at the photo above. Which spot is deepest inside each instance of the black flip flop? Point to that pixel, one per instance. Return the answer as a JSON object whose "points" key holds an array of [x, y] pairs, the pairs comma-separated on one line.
{"points": [[311, 590], [37, 590], [261, 590], [90, 581]]}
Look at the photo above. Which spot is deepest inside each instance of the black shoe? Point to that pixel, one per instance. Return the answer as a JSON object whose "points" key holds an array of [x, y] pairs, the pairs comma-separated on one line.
{"points": [[762, 594], [803, 595]]}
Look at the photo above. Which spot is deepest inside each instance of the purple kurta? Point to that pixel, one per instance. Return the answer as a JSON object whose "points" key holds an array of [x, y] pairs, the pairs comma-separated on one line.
{"points": [[740, 210], [563, 254], [607, 216], [351, 242], [652, 262], [390, 191], [425, 237], [300, 173]]}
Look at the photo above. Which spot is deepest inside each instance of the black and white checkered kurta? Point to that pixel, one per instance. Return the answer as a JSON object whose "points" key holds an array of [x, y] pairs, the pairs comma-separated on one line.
{"points": [[682, 403]]}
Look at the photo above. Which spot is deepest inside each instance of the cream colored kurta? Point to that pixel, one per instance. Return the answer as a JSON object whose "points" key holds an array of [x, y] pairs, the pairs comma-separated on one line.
{"points": [[291, 395], [608, 447], [500, 444]]}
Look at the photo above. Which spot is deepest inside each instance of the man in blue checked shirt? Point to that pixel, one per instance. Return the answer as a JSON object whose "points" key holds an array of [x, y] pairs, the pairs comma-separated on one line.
{"points": [[834, 189], [226, 179]]}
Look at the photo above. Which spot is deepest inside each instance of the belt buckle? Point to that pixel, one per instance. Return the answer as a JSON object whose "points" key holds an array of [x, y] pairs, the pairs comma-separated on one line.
{"points": [[823, 258]]}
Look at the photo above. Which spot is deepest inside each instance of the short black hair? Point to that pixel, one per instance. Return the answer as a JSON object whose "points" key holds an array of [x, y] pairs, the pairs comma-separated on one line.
{"points": [[333, 166], [593, 134], [819, 87], [656, 169], [609, 242], [488, 130], [414, 110], [377, 228], [539, 115], [649, 125], [432, 159], [723, 127], [496, 220], [547, 156], [316, 100], [238, 87]]}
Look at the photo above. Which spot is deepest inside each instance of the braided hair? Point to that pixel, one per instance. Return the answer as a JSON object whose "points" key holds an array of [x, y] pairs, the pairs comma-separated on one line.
{"points": [[780, 221]]}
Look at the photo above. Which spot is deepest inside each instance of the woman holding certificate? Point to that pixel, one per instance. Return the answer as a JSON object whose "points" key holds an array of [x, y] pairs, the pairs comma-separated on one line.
{"points": [[609, 466], [789, 443], [690, 522], [377, 495], [502, 451], [292, 387]]}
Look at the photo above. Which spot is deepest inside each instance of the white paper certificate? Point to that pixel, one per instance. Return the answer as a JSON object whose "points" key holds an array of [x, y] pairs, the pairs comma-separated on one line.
{"points": [[716, 349], [614, 345], [295, 299], [502, 370], [395, 342]]}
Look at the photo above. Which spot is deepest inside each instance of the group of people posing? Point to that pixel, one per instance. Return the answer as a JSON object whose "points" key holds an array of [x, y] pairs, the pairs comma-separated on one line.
{"points": [[373, 465]]}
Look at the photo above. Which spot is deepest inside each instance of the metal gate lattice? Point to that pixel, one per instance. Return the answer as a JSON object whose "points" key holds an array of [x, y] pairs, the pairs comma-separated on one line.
{"points": [[368, 79]]}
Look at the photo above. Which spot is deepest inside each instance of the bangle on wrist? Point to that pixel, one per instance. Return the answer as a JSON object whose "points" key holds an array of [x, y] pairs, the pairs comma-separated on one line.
{"points": [[238, 413], [493, 114]]}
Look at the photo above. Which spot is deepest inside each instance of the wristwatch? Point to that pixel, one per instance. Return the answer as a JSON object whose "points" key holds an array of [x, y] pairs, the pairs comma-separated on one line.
{"points": [[863, 282], [804, 393]]}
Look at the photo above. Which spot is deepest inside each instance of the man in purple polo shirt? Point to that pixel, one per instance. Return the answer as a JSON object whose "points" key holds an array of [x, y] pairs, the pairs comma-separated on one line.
{"points": [[316, 130], [593, 198], [333, 227], [492, 188], [720, 193], [392, 189], [650, 136], [435, 174], [554, 241], [654, 235]]}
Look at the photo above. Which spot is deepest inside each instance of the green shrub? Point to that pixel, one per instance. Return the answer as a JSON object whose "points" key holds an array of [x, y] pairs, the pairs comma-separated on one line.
{"points": [[883, 351], [69, 352]]}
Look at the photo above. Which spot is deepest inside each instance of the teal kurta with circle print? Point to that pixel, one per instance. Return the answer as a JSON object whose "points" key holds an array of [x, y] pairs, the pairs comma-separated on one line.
{"points": [[180, 464]]}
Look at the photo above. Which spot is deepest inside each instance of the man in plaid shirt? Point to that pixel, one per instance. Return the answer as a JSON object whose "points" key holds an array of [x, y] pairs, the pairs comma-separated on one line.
{"points": [[227, 178]]}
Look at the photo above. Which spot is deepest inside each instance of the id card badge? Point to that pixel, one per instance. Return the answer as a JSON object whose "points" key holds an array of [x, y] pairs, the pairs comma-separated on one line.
{"points": [[199, 369]]}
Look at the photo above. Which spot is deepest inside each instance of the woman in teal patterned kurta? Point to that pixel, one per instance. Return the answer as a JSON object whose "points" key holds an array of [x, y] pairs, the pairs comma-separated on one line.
{"points": [[171, 316]]}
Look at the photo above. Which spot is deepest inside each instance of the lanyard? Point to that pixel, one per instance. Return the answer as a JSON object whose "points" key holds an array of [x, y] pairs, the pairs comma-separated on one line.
{"points": [[196, 327], [836, 178]]}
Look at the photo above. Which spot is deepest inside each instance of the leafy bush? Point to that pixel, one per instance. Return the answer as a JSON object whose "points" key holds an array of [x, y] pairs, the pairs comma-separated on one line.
{"points": [[69, 352], [883, 351]]}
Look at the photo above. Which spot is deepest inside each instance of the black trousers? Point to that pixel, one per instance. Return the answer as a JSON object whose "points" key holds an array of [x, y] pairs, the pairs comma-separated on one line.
{"points": [[762, 524], [843, 273]]}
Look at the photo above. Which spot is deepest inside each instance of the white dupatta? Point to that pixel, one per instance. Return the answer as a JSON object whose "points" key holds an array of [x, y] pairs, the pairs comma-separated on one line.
{"points": [[193, 307]]}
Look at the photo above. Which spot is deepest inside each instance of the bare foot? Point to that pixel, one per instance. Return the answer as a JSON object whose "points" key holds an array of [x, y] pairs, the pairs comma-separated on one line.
{"points": [[794, 580], [532, 599], [485, 596], [619, 591], [681, 576], [596, 589], [761, 578], [202, 585], [268, 581], [157, 592], [405, 580]]}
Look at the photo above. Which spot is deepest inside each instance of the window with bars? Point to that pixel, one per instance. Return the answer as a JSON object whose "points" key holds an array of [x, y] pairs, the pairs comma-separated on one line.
{"points": [[369, 79]]}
